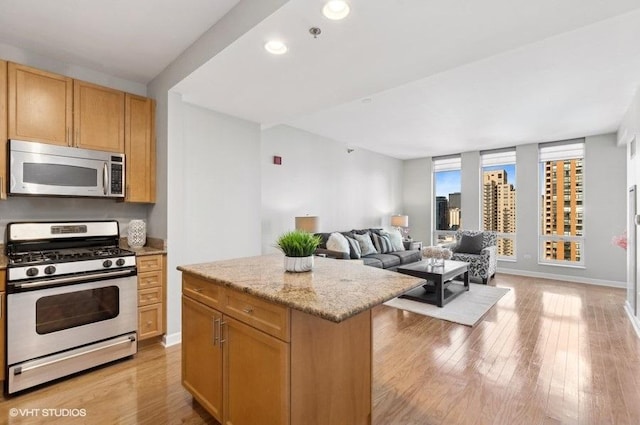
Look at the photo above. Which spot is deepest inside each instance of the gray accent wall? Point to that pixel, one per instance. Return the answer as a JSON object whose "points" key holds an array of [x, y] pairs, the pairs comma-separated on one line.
{"points": [[604, 204]]}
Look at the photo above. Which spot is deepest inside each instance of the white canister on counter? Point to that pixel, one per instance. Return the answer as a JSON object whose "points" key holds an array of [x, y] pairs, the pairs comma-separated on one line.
{"points": [[137, 233]]}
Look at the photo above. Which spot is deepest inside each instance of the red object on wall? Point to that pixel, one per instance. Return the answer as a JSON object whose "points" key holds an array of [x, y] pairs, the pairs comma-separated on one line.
{"points": [[277, 160]]}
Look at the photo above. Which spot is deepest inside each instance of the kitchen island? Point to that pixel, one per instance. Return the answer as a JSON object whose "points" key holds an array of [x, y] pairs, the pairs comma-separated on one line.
{"points": [[260, 345]]}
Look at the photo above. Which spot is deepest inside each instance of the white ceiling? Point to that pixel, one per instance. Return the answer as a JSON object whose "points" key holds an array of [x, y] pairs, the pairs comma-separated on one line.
{"points": [[134, 40], [442, 76]]}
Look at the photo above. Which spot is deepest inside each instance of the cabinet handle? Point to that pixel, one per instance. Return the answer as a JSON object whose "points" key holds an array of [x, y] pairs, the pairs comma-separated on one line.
{"points": [[198, 290], [216, 330], [248, 310], [222, 340]]}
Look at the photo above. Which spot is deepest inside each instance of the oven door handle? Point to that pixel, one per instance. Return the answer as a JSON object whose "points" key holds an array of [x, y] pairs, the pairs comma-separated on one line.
{"points": [[72, 279], [19, 370]]}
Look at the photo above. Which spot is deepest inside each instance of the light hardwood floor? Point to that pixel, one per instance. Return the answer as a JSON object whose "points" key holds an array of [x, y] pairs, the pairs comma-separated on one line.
{"points": [[548, 353]]}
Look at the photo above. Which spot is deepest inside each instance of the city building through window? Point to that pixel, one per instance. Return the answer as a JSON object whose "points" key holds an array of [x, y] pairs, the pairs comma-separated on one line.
{"points": [[498, 198], [561, 202], [447, 204]]}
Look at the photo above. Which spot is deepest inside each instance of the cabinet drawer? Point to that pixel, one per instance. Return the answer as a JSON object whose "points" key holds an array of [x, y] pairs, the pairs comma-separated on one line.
{"points": [[150, 321], [149, 279], [268, 317], [149, 296], [147, 263], [201, 290]]}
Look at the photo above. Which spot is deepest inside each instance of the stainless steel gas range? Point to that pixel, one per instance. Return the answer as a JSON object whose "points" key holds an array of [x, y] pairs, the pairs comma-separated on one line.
{"points": [[71, 300]]}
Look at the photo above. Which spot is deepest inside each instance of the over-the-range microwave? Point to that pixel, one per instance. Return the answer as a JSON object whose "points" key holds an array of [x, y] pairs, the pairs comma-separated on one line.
{"points": [[51, 170]]}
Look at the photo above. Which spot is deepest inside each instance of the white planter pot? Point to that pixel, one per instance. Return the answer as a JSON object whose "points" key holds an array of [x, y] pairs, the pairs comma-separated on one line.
{"points": [[298, 264]]}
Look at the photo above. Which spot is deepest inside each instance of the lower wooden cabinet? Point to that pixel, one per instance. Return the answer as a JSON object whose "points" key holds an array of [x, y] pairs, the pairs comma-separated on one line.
{"points": [[201, 349], [151, 290], [3, 320], [248, 361]]}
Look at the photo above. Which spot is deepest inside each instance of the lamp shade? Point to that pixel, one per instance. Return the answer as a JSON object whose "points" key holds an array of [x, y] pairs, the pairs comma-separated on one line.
{"points": [[308, 223], [400, 220]]}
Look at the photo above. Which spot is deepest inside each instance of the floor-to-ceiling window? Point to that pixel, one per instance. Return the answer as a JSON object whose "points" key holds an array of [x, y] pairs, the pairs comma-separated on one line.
{"points": [[561, 203], [498, 197], [447, 203]]}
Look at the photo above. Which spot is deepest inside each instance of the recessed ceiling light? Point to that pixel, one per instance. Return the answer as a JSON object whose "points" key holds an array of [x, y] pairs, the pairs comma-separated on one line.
{"points": [[336, 9], [276, 47]]}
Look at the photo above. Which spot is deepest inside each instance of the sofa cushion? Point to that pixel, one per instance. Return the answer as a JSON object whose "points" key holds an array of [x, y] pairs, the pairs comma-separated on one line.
{"points": [[382, 243], [407, 257], [396, 239], [324, 237], [470, 244], [387, 260], [354, 248], [366, 245], [337, 242], [373, 262]]}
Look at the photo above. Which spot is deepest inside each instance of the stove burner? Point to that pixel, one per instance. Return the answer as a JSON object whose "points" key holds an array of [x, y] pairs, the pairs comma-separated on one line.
{"points": [[73, 254]]}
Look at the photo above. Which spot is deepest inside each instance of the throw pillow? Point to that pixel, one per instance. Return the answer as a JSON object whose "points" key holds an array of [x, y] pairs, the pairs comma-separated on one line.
{"points": [[382, 243], [470, 244], [396, 239], [354, 248], [366, 245], [338, 243]]}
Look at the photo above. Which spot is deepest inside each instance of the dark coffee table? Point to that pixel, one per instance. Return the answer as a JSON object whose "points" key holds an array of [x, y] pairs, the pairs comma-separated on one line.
{"points": [[440, 288]]}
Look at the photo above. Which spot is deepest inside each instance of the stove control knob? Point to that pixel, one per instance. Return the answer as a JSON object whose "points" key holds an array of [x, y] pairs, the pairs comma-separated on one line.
{"points": [[32, 271], [107, 263], [120, 262], [49, 270]]}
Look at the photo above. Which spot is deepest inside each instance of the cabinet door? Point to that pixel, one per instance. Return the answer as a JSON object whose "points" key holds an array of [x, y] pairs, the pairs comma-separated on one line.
{"points": [[3, 319], [202, 355], [256, 376], [98, 117], [4, 135], [140, 145], [40, 105]]}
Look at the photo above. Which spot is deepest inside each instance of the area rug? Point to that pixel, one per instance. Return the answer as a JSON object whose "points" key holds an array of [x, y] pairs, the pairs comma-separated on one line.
{"points": [[467, 309]]}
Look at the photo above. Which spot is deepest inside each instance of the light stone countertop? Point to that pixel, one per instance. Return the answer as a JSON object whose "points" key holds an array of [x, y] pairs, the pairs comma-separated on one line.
{"points": [[335, 290]]}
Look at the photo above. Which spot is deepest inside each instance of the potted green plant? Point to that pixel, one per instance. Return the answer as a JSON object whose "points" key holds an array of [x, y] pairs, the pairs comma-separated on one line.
{"points": [[298, 248]]}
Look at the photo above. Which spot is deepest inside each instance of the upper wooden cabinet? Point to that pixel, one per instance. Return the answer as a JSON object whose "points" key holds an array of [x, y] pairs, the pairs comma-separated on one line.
{"points": [[40, 105], [98, 117], [3, 129], [140, 154], [50, 108]]}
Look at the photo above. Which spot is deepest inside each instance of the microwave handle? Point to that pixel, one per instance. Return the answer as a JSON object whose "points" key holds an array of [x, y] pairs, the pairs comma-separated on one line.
{"points": [[105, 177]]}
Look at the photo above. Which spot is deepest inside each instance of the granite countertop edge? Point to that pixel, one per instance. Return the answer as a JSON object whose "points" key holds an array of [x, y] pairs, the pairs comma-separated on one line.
{"points": [[333, 316]]}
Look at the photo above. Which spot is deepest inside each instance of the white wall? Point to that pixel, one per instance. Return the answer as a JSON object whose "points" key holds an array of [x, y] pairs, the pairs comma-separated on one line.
{"points": [[417, 194], [213, 193], [319, 177], [604, 204], [630, 131], [244, 16]]}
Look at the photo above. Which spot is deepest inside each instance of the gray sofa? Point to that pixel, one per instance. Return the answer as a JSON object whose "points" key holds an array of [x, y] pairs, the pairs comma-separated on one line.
{"points": [[388, 260]]}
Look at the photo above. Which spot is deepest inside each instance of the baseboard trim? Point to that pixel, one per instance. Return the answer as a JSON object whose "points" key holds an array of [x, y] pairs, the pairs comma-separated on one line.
{"points": [[575, 279], [172, 339], [634, 320]]}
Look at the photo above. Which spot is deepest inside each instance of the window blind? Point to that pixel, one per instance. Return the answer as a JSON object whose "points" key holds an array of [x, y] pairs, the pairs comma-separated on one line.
{"points": [[447, 163], [497, 157], [559, 151]]}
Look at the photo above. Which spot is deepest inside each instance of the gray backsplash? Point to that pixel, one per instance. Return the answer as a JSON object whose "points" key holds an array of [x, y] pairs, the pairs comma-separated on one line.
{"points": [[21, 208]]}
